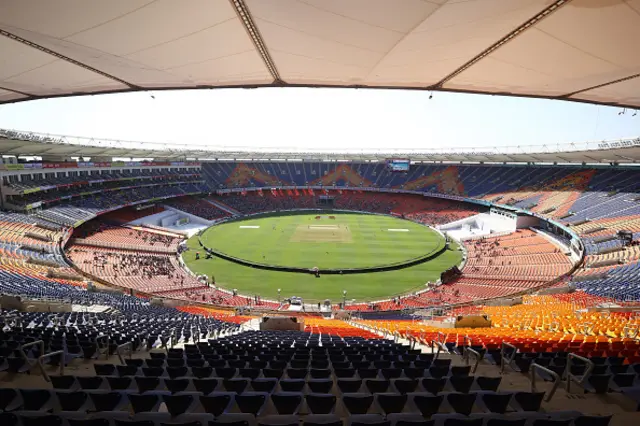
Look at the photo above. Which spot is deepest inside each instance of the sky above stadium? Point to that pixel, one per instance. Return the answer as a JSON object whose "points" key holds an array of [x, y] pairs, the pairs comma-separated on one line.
{"points": [[323, 119]]}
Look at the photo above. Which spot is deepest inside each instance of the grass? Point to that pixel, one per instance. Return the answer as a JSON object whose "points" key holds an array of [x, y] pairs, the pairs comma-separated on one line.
{"points": [[348, 241], [301, 240]]}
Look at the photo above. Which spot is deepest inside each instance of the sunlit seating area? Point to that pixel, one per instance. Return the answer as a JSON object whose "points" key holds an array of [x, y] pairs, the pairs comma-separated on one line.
{"points": [[540, 324], [140, 271], [98, 232]]}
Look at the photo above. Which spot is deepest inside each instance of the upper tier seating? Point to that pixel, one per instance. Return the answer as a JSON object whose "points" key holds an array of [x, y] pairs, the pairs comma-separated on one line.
{"points": [[597, 203], [552, 191], [100, 177], [425, 210], [78, 210]]}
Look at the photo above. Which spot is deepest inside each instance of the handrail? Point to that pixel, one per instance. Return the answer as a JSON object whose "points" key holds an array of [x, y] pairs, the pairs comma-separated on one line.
{"points": [[441, 347], [433, 348], [169, 341], [28, 361], [413, 341], [470, 351], [124, 345], [466, 342], [587, 373], [54, 319], [502, 357], [107, 342], [556, 382], [49, 355], [17, 320], [626, 331], [172, 337], [586, 328], [444, 337]]}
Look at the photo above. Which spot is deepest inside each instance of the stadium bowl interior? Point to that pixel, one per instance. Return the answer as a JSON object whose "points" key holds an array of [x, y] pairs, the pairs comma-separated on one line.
{"points": [[441, 288]]}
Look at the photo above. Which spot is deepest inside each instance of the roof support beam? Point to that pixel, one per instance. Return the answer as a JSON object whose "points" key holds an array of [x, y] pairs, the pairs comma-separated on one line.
{"points": [[29, 95], [553, 7], [48, 51], [620, 80], [12, 151], [245, 17]]}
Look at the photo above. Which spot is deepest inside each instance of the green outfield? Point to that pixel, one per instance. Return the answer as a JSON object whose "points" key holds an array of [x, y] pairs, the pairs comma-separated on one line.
{"points": [[328, 241]]}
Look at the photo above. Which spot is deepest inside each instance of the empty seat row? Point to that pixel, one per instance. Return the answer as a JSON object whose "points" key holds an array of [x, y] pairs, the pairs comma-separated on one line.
{"points": [[203, 371], [216, 403], [462, 384], [236, 361], [241, 419]]}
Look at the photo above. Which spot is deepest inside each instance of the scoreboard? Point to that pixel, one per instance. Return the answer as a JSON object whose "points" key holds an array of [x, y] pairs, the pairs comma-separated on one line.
{"points": [[398, 164]]}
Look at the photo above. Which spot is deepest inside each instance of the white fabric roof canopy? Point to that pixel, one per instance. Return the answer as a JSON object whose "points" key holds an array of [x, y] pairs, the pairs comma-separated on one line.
{"points": [[582, 50]]}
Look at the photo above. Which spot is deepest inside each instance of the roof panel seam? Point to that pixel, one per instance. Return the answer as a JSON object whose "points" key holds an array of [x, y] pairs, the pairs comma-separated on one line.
{"points": [[549, 10], [72, 61], [20, 92], [620, 80], [407, 34]]}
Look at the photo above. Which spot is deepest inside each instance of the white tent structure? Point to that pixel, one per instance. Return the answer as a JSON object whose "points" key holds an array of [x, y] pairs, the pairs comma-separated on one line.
{"points": [[578, 50]]}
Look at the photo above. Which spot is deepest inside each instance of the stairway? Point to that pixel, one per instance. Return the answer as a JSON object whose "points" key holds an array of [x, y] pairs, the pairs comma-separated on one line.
{"points": [[223, 207]]}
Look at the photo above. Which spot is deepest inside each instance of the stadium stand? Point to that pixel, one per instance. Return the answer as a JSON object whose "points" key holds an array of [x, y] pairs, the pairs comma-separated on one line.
{"points": [[199, 365], [99, 231], [198, 207], [330, 356], [143, 260], [424, 210], [607, 197], [540, 324], [595, 203], [81, 210]]}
